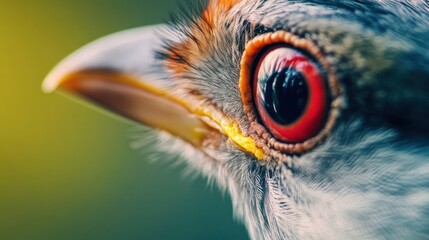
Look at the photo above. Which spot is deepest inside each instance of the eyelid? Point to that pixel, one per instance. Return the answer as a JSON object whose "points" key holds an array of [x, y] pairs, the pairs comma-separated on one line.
{"points": [[250, 56]]}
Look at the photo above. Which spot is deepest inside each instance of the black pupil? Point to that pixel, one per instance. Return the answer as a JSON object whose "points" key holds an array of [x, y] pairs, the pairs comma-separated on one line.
{"points": [[285, 95]]}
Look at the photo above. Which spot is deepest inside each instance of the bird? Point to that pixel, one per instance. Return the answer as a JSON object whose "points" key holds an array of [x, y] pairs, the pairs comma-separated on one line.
{"points": [[311, 114]]}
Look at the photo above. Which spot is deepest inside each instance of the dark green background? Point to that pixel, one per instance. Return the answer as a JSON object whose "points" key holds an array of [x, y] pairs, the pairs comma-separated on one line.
{"points": [[67, 171]]}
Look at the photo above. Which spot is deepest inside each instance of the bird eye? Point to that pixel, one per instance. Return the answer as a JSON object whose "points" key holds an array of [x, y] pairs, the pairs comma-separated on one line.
{"points": [[289, 94]]}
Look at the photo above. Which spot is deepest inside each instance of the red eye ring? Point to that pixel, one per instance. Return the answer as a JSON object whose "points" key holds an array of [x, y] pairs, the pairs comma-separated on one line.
{"points": [[313, 112], [297, 136]]}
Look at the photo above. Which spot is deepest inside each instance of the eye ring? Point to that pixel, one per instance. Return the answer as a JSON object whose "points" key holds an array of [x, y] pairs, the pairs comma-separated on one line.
{"points": [[290, 93], [271, 144]]}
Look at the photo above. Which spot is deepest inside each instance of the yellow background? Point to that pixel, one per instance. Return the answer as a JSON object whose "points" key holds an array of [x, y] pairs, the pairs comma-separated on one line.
{"points": [[67, 171]]}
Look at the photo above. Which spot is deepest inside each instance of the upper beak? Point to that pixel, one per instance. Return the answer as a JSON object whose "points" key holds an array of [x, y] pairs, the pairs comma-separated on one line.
{"points": [[121, 73]]}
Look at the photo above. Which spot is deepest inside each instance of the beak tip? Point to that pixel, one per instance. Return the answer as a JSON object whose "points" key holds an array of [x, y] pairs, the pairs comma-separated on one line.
{"points": [[50, 84], [56, 76], [47, 87]]}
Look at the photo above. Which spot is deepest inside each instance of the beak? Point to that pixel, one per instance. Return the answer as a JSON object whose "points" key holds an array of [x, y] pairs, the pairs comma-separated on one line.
{"points": [[121, 73]]}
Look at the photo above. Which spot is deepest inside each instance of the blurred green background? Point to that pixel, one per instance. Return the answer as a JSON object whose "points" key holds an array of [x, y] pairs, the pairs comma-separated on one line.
{"points": [[67, 171]]}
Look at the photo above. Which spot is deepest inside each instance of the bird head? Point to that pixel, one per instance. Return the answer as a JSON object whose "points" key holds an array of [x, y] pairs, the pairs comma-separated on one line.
{"points": [[312, 114]]}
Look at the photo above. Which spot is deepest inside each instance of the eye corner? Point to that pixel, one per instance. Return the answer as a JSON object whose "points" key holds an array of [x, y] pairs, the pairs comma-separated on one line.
{"points": [[313, 123]]}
